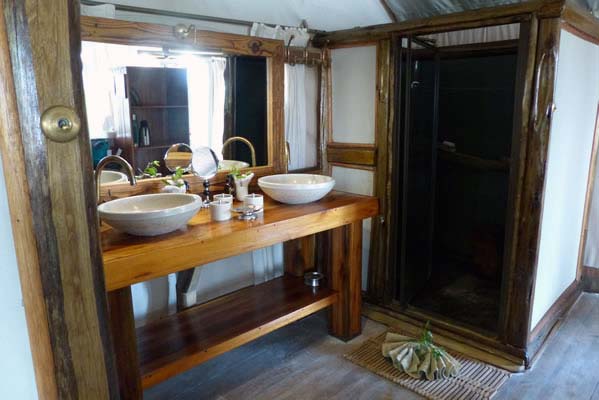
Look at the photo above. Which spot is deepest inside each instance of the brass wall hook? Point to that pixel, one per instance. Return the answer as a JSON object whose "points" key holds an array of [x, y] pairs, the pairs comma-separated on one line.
{"points": [[60, 124], [183, 31]]}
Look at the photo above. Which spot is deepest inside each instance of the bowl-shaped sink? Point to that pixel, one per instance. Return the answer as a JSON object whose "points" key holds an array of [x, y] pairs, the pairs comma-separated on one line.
{"points": [[228, 165], [296, 188], [109, 177], [150, 214]]}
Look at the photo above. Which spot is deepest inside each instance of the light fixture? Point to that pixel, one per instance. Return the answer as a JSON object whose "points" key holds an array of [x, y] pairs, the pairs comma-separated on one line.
{"points": [[166, 54]]}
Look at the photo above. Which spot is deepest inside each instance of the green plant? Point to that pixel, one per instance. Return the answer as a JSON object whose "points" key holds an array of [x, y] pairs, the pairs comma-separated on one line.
{"points": [[426, 345], [236, 173], [152, 168], [176, 179]]}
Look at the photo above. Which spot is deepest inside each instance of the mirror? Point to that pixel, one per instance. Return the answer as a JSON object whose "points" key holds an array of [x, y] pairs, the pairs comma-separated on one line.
{"points": [[144, 101], [204, 163], [178, 156]]}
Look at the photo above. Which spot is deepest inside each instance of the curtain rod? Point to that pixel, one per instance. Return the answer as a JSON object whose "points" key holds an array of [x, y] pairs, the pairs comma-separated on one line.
{"points": [[176, 14]]}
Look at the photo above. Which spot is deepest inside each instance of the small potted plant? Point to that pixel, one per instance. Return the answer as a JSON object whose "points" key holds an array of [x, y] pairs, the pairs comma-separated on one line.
{"points": [[151, 170], [174, 183], [242, 182]]}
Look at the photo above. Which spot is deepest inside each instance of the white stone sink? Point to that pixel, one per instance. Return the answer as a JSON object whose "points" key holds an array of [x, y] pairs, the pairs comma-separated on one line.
{"points": [[228, 165], [150, 214], [109, 177], [296, 188]]}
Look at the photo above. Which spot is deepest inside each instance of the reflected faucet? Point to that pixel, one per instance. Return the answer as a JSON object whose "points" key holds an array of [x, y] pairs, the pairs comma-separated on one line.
{"points": [[113, 159], [243, 140]]}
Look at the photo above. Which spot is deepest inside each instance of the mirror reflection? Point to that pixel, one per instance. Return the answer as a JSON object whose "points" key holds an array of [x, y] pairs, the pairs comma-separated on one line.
{"points": [[143, 102], [178, 156]]}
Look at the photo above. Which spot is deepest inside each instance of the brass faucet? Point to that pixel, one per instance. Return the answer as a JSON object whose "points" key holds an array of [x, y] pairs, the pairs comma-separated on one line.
{"points": [[243, 140], [113, 159]]}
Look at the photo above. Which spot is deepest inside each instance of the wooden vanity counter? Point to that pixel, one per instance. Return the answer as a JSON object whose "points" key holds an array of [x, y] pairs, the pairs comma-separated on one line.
{"points": [[133, 259], [154, 352]]}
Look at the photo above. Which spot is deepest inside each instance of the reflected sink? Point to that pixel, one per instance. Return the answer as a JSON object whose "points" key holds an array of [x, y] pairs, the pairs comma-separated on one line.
{"points": [[296, 188], [109, 177], [150, 214], [228, 165]]}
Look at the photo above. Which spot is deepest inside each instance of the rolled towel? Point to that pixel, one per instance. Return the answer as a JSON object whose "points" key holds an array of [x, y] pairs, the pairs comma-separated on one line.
{"points": [[420, 359]]}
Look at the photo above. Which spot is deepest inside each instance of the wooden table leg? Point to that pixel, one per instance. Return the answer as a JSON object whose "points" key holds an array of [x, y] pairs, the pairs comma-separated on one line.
{"points": [[122, 327], [299, 255], [345, 276]]}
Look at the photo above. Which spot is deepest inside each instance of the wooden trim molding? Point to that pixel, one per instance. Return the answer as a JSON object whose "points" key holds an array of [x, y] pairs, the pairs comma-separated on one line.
{"points": [[588, 199], [505, 14], [544, 328], [351, 153], [590, 279], [116, 31], [57, 239], [145, 34], [580, 22]]}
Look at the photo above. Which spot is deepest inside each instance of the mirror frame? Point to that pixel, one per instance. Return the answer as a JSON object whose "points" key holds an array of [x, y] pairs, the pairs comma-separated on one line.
{"points": [[123, 32]]}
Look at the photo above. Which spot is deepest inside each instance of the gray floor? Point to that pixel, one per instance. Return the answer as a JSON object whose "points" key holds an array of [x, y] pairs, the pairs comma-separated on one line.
{"points": [[302, 362]]}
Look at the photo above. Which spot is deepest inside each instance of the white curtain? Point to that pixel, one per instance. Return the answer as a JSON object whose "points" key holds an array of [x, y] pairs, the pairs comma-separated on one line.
{"points": [[302, 150], [476, 35], [206, 96]]}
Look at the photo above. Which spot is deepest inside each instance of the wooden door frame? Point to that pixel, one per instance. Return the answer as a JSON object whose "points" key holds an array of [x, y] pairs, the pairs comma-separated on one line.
{"points": [[527, 184], [52, 202]]}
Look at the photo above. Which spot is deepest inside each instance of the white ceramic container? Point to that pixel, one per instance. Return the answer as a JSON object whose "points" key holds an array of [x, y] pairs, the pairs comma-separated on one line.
{"points": [[220, 210], [150, 214], [296, 188], [254, 199], [223, 196], [109, 177]]}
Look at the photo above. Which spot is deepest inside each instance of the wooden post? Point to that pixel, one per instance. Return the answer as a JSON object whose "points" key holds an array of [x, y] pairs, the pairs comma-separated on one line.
{"points": [[345, 273], [122, 327], [299, 255], [52, 202]]}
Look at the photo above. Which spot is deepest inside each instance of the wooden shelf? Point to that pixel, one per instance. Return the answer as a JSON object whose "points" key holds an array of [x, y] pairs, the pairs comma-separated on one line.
{"points": [[162, 146], [181, 341], [160, 107], [474, 161]]}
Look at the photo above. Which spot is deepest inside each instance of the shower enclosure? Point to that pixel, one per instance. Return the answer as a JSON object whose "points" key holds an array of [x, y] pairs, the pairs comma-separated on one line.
{"points": [[451, 179]]}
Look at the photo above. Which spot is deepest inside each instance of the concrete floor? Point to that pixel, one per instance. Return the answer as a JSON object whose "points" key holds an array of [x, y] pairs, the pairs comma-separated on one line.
{"points": [[301, 361]]}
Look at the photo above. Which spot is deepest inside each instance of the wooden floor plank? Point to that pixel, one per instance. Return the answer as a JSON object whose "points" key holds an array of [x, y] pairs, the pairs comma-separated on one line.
{"points": [[301, 361]]}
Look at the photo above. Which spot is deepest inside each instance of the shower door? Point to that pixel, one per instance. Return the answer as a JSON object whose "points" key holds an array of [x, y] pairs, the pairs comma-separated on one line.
{"points": [[416, 133]]}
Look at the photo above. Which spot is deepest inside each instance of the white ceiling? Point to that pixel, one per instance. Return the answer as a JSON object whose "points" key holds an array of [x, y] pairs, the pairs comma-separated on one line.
{"points": [[327, 15], [320, 14]]}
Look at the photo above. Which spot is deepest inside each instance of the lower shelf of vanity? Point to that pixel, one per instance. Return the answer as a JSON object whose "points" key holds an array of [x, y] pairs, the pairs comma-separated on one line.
{"points": [[179, 342]]}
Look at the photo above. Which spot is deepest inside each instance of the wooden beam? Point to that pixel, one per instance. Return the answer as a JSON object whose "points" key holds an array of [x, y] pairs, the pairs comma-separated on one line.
{"points": [[581, 21], [532, 184], [384, 112], [351, 153], [122, 328], [11, 148], [108, 30], [59, 209], [463, 20], [525, 84]]}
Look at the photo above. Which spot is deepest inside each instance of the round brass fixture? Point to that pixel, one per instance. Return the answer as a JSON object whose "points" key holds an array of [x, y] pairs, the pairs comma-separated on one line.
{"points": [[60, 124]]}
